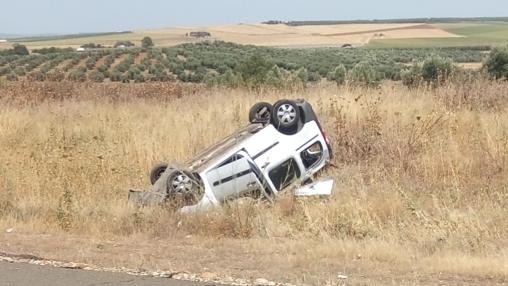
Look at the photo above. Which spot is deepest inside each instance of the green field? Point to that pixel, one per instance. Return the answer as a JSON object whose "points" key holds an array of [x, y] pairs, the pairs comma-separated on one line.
{"points": [[473, 34]]}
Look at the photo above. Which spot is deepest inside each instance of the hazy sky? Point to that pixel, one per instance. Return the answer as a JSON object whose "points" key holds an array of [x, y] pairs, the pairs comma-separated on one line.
{"points": [[72, 16]]}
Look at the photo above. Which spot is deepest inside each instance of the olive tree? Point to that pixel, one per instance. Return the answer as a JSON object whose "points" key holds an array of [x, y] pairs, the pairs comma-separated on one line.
{"points": [[147, 42], [497, 63]]}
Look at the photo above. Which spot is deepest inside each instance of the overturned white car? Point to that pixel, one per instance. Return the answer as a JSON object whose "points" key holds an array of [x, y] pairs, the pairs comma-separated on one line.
{"points": [[283, 144]]}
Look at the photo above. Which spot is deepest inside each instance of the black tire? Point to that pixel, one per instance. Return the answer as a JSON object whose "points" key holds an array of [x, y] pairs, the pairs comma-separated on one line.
{"points": [[157, 171], [285, 116], [260, 112]]}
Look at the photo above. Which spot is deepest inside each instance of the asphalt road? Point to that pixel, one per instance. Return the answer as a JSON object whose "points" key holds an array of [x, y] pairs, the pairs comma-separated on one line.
{"points": [[20, 274]]}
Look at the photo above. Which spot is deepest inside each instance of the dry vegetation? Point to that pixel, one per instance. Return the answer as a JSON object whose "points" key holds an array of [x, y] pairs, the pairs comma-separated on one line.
{"points": [[420, 197]]}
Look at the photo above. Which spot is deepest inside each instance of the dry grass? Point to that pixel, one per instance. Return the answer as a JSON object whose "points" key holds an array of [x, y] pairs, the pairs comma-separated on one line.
{"points": [[420, 196]]}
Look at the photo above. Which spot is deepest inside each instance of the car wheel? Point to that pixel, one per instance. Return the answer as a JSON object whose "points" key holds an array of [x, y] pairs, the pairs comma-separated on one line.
{"points": [[183, 188], [260, 112], [181, 182], [285, 116], [157, 171]]}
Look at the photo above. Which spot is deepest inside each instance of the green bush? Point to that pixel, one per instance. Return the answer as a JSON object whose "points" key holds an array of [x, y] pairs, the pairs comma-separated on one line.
{"points": [[230, 79], [339, 75], [20, 50], [363, 74], [90, 63], [96, 76], [436, 70], [52, 50], [77, 75], [12, 76], [115, 76], [314, 76], [37, 76], [139, 78], [20, 71], [147, 42], [412, 77], [55, 75], [497, 63], [254, 70], [303, 75], [274, 77]]}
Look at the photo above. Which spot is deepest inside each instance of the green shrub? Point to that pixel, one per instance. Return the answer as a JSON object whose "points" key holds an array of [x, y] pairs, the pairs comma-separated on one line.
{"points": [[254, 70], [20, 50], [412, 77], [314, 76], [103, 68], [115, 76], [436, 70], [147, 42], [339, 74], [12, 76], [53, 50], [274, 77], [139, 78], [497, 63], [5, 70], [96, 76], [55, 75], [90, 63], [303, 75], [132, 72], [20, 71], [77, 75], [37, 76], [363, 74], [230, 79]]}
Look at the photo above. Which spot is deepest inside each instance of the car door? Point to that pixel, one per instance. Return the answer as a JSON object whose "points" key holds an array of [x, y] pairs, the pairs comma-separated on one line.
{"points": [[234, 177]]}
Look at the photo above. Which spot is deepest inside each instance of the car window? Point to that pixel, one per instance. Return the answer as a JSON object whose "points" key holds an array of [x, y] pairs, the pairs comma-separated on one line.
{"points": [[230, 160], [284, 174], [312, 155]]}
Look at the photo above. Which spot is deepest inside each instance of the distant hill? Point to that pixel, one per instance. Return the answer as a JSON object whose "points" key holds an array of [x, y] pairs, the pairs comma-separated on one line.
{"points": [[390, 21], [385, 33], [7, 36], [64, 37]]}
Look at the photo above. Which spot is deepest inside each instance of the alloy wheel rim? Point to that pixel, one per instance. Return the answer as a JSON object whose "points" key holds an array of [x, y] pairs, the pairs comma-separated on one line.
{"points": [[182, 183], [286, 113]]}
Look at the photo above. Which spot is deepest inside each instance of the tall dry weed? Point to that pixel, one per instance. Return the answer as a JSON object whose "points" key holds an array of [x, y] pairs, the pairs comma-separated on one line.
{"points": [[422, 170]]}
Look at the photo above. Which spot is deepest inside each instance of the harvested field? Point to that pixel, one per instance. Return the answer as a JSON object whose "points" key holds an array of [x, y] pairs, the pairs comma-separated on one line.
{"points": [[265, 35]]}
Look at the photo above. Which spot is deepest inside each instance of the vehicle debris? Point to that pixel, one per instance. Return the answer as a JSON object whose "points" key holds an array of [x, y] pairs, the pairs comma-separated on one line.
{"points": [[319, 188], [283, 144]]}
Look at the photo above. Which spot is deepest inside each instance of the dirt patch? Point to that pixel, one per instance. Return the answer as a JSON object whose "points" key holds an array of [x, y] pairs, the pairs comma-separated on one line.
{"points": [[470, 66], [120, 59]]}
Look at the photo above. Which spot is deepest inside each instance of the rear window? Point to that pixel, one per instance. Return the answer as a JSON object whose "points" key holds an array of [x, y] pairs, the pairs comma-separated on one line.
{"points": [[284, 174]]}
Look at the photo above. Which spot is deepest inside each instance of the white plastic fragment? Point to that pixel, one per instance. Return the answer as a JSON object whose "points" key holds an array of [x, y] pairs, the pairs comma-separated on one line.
{"points": [[342, 276], [320, 188]]}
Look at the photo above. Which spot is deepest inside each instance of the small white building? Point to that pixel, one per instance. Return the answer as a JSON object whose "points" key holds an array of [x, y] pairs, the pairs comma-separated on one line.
{"points": [[3, 41], [80, 49]]}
